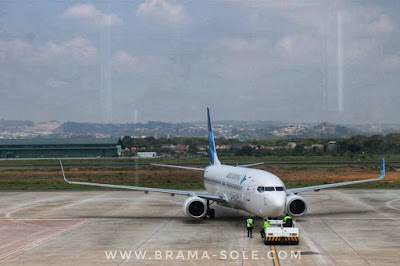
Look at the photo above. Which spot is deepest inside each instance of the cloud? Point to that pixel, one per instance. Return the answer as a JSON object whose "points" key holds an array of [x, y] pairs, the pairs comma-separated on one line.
{"points": [[391, 62], [381, 25], [124, 62], [90, 16], [240, 44], [285, 45], [14, 49], [165, 12], [282, 53], [281, 4], [78, 49]]}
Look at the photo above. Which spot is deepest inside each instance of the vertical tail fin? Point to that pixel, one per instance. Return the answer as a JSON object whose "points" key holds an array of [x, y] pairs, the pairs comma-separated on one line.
{"points": [[213, 152]]}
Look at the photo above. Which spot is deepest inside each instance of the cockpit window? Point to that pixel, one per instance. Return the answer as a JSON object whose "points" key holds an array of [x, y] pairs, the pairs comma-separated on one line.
{"points": [[279, 189], [263, 189]]}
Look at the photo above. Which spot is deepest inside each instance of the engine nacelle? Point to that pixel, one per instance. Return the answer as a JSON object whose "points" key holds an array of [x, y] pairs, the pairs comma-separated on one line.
{"points": [[195, 207], [296, 205]]}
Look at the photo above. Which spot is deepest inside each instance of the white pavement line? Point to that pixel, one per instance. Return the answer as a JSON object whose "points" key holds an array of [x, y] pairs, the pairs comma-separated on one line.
{"points": [[35, 204], [74, 202], [358, 219], [389, 204], [43, 238], [147, 239], [40, 219], [310, 243], [355, 200], [338, 235], [25, 206]]}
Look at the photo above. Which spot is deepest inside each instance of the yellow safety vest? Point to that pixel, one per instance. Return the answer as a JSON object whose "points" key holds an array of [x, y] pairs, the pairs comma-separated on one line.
{"points": [[249, 222], [266, 224], [286, 217]]}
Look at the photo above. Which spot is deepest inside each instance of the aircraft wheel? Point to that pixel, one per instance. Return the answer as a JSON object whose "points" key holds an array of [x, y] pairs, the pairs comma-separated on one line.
{"points": [[211, 212]]}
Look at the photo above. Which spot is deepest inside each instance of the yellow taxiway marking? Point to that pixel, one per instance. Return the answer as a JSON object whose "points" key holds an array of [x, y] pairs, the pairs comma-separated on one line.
{"points": [[275, 257]]}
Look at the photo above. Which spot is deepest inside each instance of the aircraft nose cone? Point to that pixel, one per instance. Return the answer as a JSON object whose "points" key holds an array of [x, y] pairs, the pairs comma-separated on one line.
{"points": [[277, 205], [277, 211]]}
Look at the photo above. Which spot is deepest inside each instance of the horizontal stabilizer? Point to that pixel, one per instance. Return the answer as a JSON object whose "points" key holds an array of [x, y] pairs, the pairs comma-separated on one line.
{"points": [[177, 166]]}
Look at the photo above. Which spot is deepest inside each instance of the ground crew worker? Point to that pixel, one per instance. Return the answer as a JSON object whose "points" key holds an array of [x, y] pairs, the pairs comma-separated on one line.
{"points": [[286, 217], [249, 226], [266, 224], [288, 221]]}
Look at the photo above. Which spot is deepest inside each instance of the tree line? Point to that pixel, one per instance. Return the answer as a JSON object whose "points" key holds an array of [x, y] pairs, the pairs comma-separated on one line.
{"points": [[349, 146]]}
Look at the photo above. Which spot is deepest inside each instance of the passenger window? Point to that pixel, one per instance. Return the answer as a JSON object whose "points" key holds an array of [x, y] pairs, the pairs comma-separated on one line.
{"points": [[269, 189], [260, 189], [279, 189]]}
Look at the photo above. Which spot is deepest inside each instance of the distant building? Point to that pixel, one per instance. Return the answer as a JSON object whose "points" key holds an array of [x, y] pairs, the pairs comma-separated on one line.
{"points": [[148, 154], [171, 147], [291, 145], [332, 145], [270, 147], [236, 146], [202, 147], [317, 146], [181, 147], [314, 146], [60, 148], [222, 147]]}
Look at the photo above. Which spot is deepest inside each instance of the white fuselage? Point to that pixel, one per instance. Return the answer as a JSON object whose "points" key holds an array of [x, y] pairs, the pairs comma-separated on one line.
{"points": [[244, 189]]}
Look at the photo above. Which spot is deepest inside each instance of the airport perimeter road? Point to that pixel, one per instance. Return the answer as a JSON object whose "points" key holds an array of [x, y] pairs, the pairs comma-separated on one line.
{"points": [[342, 227]]}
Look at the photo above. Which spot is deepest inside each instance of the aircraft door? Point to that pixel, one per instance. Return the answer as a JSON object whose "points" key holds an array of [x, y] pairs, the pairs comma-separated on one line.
{"points": [[249, 190]]}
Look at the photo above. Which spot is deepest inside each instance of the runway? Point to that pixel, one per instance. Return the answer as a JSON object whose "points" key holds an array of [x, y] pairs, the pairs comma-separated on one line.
{"points": [[342, 227]]}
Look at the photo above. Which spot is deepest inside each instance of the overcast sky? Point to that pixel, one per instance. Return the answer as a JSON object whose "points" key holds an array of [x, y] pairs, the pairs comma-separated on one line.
{"points": [[167, 60]]}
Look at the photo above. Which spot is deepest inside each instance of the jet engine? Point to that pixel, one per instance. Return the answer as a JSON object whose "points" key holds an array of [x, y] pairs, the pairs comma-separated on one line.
{"points": [[296, 205], [195, 207]]}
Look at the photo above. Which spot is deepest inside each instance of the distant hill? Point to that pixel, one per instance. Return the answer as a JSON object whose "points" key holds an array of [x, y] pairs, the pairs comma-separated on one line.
{"points": [[243, 130], [239, 129], [14, 124]]}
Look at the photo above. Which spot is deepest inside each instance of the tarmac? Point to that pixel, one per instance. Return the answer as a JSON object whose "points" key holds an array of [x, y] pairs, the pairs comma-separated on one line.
{"points": [[342, 227]]}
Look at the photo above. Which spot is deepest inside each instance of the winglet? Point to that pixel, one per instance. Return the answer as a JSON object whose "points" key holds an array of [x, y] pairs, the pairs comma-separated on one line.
{"points": [[62, 169], [382, 168]]}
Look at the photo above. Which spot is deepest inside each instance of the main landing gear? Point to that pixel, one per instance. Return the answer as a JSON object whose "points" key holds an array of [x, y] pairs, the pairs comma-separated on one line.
{"points": [[210, 212]]}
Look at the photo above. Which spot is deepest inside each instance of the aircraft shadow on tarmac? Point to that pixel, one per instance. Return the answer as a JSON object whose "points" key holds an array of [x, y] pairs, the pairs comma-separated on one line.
{"points": [[226, 215], [129, 217], [333, 213], [176, 218], [223, 215]]}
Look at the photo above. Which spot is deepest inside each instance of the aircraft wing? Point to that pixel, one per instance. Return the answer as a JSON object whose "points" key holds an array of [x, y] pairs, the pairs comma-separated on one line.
{"points": [[208, 196], [250, 164], [177, 166], [319, 187]]}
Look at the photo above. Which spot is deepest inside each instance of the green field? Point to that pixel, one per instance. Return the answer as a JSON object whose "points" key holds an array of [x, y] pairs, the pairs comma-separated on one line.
{"points": [[190, 185], [202, 160], [44, 174]]}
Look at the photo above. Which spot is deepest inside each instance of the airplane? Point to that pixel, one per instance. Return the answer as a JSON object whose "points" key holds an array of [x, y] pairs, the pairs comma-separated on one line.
{"points": [[257, 192]]}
